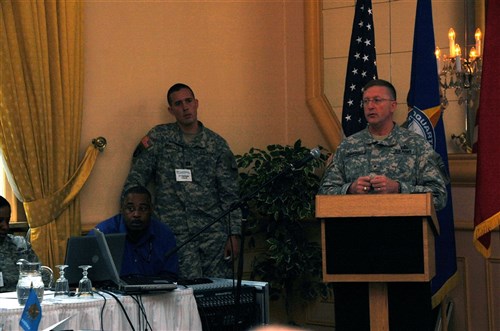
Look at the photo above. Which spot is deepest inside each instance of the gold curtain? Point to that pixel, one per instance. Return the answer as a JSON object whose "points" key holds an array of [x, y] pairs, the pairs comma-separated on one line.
{"points": [[40, 117]]}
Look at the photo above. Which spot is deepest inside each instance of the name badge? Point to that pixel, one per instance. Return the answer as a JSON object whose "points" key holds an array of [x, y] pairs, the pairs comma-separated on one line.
{"points": [[1, 279], [183, 175]]}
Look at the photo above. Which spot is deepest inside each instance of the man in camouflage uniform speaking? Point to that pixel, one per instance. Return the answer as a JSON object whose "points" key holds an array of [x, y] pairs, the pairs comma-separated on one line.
{"points": [[12, 248], [384, 158], [196, 180]]}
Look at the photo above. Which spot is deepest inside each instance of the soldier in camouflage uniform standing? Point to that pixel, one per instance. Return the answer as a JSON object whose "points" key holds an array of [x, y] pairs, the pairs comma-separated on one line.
{"points": [[12, 248], [384, 158], [196, 179]]}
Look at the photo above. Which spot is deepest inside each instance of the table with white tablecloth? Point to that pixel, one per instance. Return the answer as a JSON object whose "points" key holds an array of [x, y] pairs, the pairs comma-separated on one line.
{"points": [[175, 310]]}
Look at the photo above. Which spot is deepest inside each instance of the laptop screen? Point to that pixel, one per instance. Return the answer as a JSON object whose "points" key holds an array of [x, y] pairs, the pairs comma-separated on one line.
{"points": [[107, 256], [85, 251]]}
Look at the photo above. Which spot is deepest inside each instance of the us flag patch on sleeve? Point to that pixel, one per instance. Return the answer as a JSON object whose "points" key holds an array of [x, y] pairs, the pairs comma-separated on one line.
{"points": [[145, 144]]}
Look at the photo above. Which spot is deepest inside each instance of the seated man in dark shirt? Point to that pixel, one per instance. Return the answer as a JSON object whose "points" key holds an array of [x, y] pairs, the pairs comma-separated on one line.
{"points": [[12, 248], [148, 240]]}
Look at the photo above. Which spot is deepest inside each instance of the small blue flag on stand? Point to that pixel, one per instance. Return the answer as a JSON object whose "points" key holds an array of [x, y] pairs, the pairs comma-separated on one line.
{"points": [[32, 313]]}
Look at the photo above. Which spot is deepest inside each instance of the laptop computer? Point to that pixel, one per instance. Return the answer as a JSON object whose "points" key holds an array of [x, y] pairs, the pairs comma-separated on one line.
{"points": [[85, 251], [130, 285]]}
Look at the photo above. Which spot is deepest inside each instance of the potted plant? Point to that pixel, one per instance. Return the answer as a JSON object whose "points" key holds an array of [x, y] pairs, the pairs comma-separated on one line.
{"points": [[282, 207]]}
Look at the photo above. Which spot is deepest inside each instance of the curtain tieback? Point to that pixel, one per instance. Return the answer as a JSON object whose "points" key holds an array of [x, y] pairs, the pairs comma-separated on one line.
{"points": [[43, 211]]}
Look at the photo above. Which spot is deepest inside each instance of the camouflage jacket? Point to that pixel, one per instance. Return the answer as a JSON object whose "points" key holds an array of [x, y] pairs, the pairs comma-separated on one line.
{"points": [[187, 206], [404, 156], [13, 248]]}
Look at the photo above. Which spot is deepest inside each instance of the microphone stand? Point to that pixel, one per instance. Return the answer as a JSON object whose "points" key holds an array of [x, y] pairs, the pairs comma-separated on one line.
{"points": [[242, 203], [238, 204], [239, 272]]}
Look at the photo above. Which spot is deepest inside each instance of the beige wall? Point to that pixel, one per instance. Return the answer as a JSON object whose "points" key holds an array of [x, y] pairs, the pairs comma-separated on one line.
{"points": [[244, 60]]}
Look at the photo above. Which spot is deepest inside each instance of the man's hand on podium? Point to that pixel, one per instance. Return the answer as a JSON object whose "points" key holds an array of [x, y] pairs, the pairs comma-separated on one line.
{"points": [[379, 184]]}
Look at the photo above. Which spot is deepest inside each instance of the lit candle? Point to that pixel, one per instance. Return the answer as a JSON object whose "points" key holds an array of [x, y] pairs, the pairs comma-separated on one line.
{"points": [[477, 35], [458, 53], [438, 59], [451, 37], [472, 54]]}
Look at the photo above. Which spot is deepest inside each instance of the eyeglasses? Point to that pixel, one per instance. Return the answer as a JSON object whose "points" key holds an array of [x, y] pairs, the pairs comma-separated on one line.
{"points": [[376, 101], [140, 209]]}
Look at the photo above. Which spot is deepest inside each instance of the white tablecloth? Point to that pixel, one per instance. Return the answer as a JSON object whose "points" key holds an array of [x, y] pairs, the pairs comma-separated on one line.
{"points": [[174, 310]]}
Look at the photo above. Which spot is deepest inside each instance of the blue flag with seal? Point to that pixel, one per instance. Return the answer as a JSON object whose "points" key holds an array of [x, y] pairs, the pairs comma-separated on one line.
{"points": [[32, 313], [426, 118]]}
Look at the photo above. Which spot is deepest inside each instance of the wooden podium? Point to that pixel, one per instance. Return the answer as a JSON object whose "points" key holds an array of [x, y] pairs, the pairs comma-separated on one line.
{"points": [[377, 238]]}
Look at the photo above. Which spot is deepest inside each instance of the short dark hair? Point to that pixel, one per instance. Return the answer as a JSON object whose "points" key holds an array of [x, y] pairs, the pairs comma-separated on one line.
{"points": [[4, 202], [138, 189], [383, 83], [177, 87]]}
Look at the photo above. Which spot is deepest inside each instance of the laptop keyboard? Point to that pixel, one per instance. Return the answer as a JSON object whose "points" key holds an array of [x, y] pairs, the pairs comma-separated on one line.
{"points": [[142, 280]]}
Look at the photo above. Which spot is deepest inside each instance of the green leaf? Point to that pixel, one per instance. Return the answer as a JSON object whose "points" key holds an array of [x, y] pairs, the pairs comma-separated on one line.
{"points": [[279, 209]]}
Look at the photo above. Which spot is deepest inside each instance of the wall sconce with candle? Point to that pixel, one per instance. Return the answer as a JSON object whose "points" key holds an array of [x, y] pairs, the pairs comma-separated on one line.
{"points": [[463, 74]]}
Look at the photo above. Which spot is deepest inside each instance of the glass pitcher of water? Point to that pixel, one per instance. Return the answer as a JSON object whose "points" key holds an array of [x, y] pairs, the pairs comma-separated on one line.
{"points": [[30, 274]]}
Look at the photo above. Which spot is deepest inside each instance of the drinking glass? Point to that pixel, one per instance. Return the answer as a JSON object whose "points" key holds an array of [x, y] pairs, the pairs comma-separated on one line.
{"points": [[85, 285], [61, 289]]}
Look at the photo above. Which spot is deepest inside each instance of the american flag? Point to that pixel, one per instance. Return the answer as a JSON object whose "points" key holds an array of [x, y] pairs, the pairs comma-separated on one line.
{"points": [[361, 67]]}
